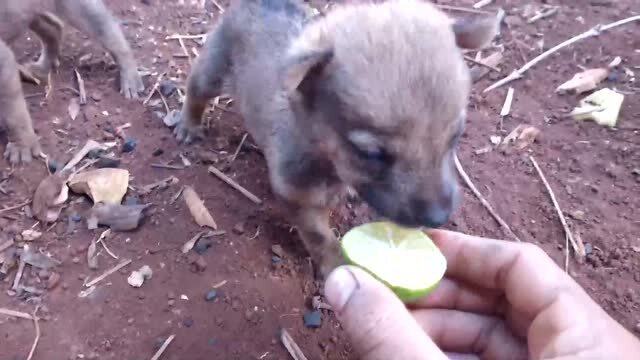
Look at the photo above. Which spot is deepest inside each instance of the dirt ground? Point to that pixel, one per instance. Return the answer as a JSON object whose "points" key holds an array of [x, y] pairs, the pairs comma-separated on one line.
{"points": [[594, 171]]}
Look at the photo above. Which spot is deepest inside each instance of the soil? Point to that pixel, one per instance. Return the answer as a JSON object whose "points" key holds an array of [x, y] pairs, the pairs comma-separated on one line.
{"points": [[594, 172]]}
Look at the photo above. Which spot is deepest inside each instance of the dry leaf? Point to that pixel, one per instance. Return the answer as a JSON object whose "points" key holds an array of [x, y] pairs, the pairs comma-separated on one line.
{"points": [[50, 194], [92, 256], [192, 242], [199, 212], [30, 235], [603, 107], [87, 148], [584, 81], [73, 108], [106, 185], [117, 217]]}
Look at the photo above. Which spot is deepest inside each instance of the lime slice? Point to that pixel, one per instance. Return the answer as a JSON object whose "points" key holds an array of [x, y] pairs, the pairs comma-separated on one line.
{"points": [[406, 260]]}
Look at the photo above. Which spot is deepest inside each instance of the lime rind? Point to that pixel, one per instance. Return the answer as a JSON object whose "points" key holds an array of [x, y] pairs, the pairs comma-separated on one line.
{"points": [[406, 260]]}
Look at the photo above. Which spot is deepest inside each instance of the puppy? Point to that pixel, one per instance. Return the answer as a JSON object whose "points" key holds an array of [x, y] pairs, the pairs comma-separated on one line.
{"points": [[369, 95], [19, 16]]}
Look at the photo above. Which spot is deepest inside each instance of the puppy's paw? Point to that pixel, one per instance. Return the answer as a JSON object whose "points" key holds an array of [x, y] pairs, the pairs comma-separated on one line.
{"points": [[23, 151], [187, 134], [130, 82]]}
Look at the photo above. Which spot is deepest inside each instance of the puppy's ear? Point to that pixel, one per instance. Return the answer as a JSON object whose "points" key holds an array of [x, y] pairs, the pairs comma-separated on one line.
{"points": [[303, 71], [475, 32]]}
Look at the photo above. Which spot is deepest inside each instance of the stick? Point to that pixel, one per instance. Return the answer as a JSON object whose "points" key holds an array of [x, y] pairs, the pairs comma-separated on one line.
{"points": [[153, 89], [16, 280], [483, 201], [18, 314], [506, 107], [543, 14], [595, 31], [292, 347], [184, 49], [101, 239], [165, 166], [15, 206], [164, 346], [482, 3], [35, 341], [82, 91], [108, 272], [462, 9], [234, 185], [567, 231], [235, 154], [479, 62], [177, 36], [220, 8]]}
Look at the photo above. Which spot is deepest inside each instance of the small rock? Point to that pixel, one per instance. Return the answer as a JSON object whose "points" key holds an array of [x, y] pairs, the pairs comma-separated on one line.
{"points": [[208, 157], [277, 250], [588, 248], [202, 246], [167, 87], [53, 281], [313, 319], [75, 260], [171, 295], [188, 322], [96, 96], [276, 260], [171, 302], [157, 152], [577, 214], [238, 228], [198, 265], [53, 166], [211, 295], [107, 162], [129, 145]]}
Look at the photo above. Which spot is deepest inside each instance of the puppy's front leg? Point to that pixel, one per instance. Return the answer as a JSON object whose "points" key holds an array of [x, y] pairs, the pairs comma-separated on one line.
{"points": [[23, 142], [93, 18], [49, 29]]}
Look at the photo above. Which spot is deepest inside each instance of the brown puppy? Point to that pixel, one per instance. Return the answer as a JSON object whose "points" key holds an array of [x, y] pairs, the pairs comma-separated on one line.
{"points": [[370, 95], [18, 16]]}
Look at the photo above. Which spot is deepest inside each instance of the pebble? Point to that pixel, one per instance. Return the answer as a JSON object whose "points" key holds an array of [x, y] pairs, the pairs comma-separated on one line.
{"points": [[198, 265], [188, 322], [202, 246], [577, 214], [211, 295], [238, 228], [167, 87], [129, 145], [107, 162], [277, 250], [276, 259], [313, 319], [96, 96], [208, 157]]}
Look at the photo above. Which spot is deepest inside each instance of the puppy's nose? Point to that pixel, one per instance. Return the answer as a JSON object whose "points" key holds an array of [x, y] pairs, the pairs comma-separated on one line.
{"points": [[432, 214]]}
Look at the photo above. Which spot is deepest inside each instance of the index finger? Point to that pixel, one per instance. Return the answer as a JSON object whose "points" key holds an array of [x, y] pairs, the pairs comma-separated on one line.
{"points": [[528, 277]]}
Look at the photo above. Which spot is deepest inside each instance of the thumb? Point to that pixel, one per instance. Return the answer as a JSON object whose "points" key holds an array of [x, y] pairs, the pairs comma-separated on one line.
{"points": [[376, 321]]}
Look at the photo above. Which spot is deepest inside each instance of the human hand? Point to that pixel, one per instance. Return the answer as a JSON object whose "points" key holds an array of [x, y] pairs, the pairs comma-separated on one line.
{"points": [[498, 300]]}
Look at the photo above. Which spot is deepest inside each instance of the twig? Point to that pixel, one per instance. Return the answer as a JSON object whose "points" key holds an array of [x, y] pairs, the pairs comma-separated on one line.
{"points": [[178, 36], [18, 314], [482, 3], [153, 89], [220, 284], [479, 62], [163, 347], [175, 197], [164, 102], [595, 31], [101, 240], [506, 107], [49, 86], [220, 8], [235, 154], [184, 49], [82, 91], [108, 272], [166, 166], [483, 201], [292, 347], [234, 185], [14, 207], [35, 341], [567, 231], [16, 280], [543, 14], [462, 9]]}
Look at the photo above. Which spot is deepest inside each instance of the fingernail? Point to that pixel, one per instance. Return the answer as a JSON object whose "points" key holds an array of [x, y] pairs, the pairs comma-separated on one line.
{"points": [[339, 287]]}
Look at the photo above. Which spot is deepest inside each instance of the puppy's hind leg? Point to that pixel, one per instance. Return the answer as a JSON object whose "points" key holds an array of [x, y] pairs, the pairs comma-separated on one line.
{"points": [[49, 29], [93, 18], [204, 83], [14, 115]]}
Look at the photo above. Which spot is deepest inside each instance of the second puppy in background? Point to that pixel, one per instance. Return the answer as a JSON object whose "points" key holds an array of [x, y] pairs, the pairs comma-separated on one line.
{"points": [[369, 95]]}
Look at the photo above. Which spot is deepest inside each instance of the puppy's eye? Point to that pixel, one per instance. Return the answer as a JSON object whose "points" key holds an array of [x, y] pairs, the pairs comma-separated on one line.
{"points": [[367, 146]]}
